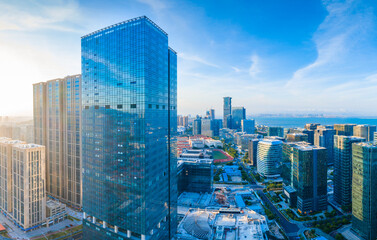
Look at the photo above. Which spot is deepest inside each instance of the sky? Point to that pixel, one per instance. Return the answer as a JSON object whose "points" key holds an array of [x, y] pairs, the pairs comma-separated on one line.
{"points": [[276, 56]]}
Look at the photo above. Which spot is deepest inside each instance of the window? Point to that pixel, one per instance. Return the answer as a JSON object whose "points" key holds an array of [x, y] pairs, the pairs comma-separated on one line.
{"points": [[96, 107], [157, 106], [107, 106], [119, 84], [133, 105], [149, 105], [119, 106]]}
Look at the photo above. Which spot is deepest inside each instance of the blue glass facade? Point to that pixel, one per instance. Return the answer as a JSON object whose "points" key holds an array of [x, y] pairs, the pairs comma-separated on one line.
{"points": [[129, 121]]}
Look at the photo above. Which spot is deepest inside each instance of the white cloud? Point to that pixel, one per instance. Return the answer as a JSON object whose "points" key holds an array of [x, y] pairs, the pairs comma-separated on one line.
{"points": [[236, 69], [255, 66], [197, 59], [334, 39], [156, 5], [33, 15]]}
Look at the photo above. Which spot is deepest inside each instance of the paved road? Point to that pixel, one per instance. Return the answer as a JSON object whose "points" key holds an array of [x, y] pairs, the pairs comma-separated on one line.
{"points": [[289, 228]]}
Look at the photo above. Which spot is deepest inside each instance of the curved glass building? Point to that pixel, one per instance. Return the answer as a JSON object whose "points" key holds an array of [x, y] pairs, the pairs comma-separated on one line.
{"points": [[269, 155]]}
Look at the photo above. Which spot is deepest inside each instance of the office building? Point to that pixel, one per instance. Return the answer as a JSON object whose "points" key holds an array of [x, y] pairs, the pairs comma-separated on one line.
{"points": [[212, 114], [312, 126], [375, 136], [227, 116], [269, 156], [22, 183], [248, 126], [309, 177], [364, 191], [197, 126], [57, 125], [238, 114], [129, 122], [344, 129], [195, 175], [364, 131], [324, 137], [343, 168], [243, 140], [297, 137], [310, 133], [253, 150], [275, 131], [210, 127], [286, 166]]}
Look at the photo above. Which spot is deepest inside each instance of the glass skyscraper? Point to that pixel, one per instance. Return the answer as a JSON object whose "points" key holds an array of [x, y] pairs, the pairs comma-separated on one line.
{"points": [[309, 177], [364, 197], [227, 115], [343, 168], [129, 121], [269, 156], [238, 114]]}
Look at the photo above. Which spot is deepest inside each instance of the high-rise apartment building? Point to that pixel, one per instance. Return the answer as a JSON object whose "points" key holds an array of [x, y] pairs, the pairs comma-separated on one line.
{"points": [[227, 116], [57, 125], [129, 122], [364, 191], [22, 183], [248, 126], [275, 131], [238, 114], [364, 131], [309, 177], [344, 129], [343, 168], [324, 137], [269, 156]]}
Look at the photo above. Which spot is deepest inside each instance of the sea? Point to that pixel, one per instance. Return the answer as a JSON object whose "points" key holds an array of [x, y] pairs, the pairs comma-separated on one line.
{"points": [[293, 122]]}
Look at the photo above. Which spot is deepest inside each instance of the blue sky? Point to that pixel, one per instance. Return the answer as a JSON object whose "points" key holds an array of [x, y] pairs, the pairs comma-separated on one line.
{"points": [[271, 56]]}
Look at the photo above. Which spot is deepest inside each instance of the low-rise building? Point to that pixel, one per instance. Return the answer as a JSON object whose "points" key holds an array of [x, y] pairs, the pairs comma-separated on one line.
{"points": [[222, 224], [55, 212]]}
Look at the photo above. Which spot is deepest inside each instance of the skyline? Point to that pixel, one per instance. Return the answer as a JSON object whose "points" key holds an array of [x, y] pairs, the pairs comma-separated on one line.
{"points": [[315, 57]]}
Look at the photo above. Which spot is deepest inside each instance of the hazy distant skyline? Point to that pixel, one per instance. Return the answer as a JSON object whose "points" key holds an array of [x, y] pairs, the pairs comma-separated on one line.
{"points": [[275, 57]]}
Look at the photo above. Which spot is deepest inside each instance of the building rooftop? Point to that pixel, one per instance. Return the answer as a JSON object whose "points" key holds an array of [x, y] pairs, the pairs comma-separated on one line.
{"points": [[290, 189], [27, 145], [297, 134], [125, 22], [270, 141], [53, 204], [307, 147], [367, 144]]}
